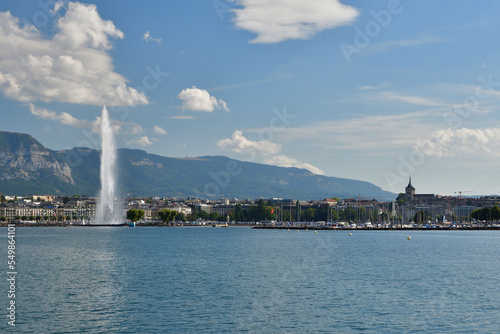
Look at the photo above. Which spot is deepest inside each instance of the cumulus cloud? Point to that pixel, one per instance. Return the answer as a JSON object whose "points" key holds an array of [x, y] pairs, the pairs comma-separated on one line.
{"points": [[267, 151], [450, 143], [159, 130], [148, 38], [239, 143], [63, 118], [145, 141], [142, 141], [275, 21], [196, 99], [129, 129], [134, 129], [284, 161], [73, 66]]}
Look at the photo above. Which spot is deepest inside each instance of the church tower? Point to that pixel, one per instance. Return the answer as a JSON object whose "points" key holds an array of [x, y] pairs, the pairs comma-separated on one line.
{"points": [[410, 191]]}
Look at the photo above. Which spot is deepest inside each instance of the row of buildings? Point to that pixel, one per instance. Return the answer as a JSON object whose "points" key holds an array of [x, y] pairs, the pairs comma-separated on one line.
{"points": [[433, 207]]}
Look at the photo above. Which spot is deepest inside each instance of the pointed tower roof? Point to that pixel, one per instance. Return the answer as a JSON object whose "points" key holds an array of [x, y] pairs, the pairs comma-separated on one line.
{"points": [[409, 184]]}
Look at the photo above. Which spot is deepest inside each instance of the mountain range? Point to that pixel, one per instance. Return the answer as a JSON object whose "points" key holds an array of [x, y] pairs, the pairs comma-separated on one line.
{"points": [[27, 167]]}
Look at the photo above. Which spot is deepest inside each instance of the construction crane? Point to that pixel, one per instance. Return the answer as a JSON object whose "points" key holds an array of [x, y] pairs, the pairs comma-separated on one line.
{"points": [[460, 192]]}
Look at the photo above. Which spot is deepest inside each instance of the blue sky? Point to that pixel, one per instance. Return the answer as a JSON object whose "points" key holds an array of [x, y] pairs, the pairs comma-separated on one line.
{"points": [[369, 90]]}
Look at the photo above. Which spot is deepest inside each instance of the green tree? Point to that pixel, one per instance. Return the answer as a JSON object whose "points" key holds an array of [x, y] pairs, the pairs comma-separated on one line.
{"points": [[260, 212], [401, 199], [495, 212], [419, 217], [239, 215], [215, 216], [3, 218], [181, 216], [203, 214], [310, 214], [167, 215], [135, 214], [297, 211], [486, 213]]}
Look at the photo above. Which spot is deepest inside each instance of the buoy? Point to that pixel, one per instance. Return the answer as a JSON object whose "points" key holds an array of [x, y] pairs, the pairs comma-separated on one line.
{"points": [[350, 234], [297, 230], [409, 238], [288, 230], [315, 231]]}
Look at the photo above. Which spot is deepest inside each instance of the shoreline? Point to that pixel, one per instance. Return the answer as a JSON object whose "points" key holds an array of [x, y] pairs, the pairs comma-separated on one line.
{"points": [[313, 228], [262, 227]]}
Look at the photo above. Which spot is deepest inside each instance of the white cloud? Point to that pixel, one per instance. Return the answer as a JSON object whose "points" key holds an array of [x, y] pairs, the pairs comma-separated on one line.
{"points": [[159, 130], [267, 151], [128, 128], [375, 87], [73, 66], [145, 141], [147, 37], [117, 125], [271, 78], [82, 27], [142, 141], [370, 134], [196, 99], [63, 118], [238, 143], [284, 161], [450, 143], [275, 21], [134, 129], [411, 99], [182, 117], [58, 5]]}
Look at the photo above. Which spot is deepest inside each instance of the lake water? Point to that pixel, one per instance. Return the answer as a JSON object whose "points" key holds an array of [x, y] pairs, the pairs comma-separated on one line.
{"points": [[241, 280]]}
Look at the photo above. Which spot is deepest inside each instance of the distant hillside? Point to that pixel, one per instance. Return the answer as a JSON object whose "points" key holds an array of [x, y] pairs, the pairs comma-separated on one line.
{"points": [[26, 167]]}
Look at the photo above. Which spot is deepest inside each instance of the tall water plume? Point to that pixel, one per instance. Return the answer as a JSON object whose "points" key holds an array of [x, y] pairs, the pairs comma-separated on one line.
{"points": [[109, 208]]}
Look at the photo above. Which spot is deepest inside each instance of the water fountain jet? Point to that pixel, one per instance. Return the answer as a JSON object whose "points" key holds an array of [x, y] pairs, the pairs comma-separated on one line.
{"points": [[109, 208]]}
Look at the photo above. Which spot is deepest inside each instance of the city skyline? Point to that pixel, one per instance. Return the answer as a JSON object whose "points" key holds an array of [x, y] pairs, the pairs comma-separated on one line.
{"points": [[367, 90]]}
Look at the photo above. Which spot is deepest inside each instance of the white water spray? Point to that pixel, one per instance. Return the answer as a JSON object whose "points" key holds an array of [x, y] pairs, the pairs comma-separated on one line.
{"points": [[109, 208]]}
